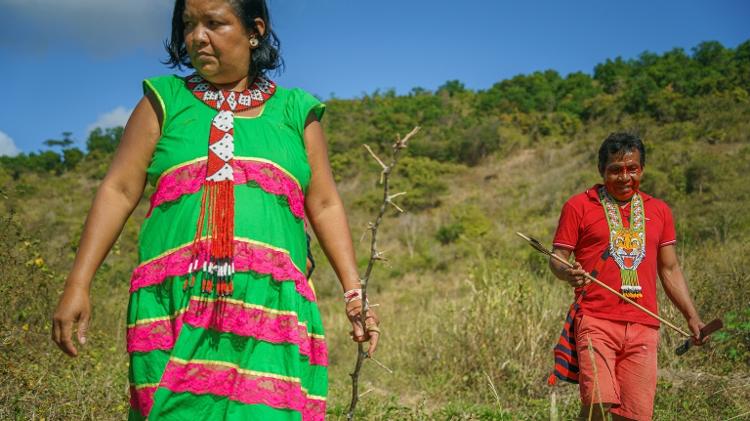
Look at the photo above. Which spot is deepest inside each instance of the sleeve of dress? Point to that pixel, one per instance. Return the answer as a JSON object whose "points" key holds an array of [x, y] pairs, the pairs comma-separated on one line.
{"points": [[299, 107], [162, 89]]}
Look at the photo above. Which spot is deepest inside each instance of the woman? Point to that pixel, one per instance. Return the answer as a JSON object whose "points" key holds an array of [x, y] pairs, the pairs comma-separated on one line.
{"points": [[222, 322]]}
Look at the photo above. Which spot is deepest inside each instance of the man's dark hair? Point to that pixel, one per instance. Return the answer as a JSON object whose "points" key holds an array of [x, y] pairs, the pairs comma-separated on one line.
{"points": [[264, 57], [617, 144]]}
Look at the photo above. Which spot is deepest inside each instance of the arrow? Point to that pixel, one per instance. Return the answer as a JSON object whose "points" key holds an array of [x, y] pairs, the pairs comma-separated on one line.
{"points": [[538, 246]]}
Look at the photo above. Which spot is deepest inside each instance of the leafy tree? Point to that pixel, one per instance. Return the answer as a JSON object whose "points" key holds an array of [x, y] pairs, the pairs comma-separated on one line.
{"points": [[613, 74], [15, 165], [574, 91], [63, 143], [71, 157], [451, 88], [46, 161], [741, 64], [639, 91], [104, 140]]}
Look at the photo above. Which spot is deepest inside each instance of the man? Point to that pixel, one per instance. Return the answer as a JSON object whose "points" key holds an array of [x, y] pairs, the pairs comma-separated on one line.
{"points": [[626, 238]]}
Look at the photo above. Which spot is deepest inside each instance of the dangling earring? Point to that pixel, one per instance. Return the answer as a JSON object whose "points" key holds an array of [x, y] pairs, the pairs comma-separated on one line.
{"points": [[254, 42]]}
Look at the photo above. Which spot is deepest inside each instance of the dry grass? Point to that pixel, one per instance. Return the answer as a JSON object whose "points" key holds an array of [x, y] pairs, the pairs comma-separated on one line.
{"points": [[468, 325]]}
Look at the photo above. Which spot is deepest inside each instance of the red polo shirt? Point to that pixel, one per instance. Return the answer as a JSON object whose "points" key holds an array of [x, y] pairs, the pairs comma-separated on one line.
{"points": [[583, 229]]}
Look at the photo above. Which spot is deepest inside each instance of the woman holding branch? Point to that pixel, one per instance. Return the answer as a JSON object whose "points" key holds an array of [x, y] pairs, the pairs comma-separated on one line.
{"points": [[222, 321]]}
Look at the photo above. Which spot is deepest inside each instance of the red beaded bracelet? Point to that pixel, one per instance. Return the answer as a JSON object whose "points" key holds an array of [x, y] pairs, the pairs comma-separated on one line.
{"points": [[353, 295]]}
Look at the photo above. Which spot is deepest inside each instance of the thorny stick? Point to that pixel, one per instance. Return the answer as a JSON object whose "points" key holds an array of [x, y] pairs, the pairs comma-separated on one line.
{"points": [[383, 366], [534, 243], [385, 167], [375, 255]]}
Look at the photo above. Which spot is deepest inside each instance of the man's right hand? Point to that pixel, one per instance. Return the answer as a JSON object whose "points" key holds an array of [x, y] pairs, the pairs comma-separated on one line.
{"points": [[576, 276]]}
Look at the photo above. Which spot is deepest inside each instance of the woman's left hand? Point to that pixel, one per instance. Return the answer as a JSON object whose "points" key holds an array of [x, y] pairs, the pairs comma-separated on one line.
{"points": [[370, 331]]}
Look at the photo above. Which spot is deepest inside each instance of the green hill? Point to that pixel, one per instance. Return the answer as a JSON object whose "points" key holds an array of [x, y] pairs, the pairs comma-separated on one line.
{"points": [[470, 313]]}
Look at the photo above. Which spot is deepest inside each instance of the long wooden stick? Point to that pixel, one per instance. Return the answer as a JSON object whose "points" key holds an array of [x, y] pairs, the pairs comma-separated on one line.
{"points": [[375, 255], [538, 246]]}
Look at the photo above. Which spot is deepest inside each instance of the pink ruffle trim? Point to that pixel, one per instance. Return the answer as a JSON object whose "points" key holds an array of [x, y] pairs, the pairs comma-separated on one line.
{"points": [[242, 387], [160, 334], [231, 318], [259, 324], [247, 257], [189, 178], [142, 399]]}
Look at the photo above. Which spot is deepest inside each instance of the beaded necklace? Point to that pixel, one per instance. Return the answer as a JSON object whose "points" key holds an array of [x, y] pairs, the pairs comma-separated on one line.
{"points": [[627, 246], [215, 262]]}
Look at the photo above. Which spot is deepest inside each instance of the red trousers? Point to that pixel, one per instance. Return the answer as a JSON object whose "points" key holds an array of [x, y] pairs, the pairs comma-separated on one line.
{"points": [[619, 365]]}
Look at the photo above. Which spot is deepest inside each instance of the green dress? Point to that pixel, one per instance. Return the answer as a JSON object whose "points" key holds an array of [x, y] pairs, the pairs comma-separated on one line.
{"points": [[259, 354]]}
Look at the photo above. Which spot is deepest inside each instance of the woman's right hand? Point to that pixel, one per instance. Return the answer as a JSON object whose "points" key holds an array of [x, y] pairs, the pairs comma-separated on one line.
{"points": [[117, 196], [74, 307]]}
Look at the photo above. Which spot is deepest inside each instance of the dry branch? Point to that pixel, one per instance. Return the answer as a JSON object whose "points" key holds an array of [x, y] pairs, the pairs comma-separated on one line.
{"points": [[362, 355]]}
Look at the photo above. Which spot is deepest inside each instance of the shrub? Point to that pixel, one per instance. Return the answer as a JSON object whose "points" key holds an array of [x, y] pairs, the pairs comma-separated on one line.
{"points": [[423, 180]]}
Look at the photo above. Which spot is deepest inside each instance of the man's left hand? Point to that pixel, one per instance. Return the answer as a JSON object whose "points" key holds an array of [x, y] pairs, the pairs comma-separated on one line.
{"points": [[696, 324]]}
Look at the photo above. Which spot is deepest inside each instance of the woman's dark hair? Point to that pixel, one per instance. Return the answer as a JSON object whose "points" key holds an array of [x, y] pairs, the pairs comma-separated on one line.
{"points": [[264, 57], [619, 143]]}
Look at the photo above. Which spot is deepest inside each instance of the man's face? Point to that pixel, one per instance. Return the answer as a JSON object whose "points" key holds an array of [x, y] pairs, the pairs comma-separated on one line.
{"points": [[622, 174]]}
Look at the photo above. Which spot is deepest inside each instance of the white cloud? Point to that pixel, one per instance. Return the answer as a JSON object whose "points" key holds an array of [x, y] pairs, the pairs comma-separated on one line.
{"points": [[117, 117], [7, 146], [105, 27]]}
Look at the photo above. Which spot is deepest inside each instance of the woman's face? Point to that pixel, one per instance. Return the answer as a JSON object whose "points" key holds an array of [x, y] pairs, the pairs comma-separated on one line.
{"points": [[216, 40]]}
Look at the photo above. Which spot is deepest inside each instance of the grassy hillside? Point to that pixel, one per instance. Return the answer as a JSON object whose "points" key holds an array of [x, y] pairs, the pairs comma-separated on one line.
{"points": [[469, 313]]}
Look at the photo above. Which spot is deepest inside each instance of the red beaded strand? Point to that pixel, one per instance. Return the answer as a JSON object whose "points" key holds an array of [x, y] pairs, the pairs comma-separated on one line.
{"points": [[213, 258]]}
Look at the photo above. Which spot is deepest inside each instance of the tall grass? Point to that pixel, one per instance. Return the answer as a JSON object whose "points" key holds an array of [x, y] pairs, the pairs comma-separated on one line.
{"points": [[469, 316]]}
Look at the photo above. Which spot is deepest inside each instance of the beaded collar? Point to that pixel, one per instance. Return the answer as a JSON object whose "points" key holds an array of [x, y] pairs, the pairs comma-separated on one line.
{"points": [[627, 246]]}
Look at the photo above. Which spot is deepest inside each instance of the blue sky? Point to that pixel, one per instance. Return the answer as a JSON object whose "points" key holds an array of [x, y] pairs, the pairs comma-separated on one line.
{"points": [[70, 65]]}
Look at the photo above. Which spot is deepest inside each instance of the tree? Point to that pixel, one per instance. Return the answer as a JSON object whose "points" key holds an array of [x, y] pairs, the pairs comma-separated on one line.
{"points": [[45, 161], [742, 65], [613, 74], [104, 140], [452, 87], [574, 91], [63, 143], [70, 156], [15, 165]]}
